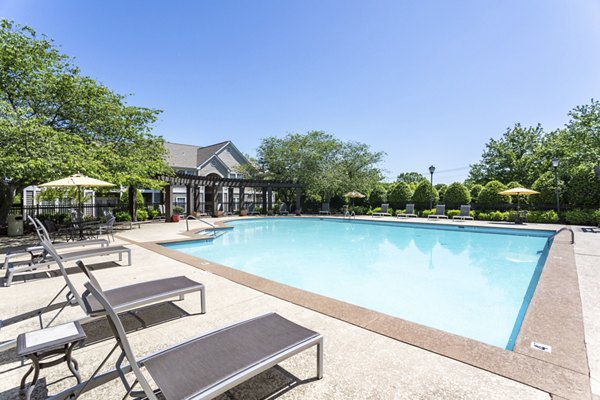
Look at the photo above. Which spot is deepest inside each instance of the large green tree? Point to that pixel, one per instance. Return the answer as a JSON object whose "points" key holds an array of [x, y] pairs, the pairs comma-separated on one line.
{"points": [[510, 158], [324, 165], [55, 122], [410, 177]]}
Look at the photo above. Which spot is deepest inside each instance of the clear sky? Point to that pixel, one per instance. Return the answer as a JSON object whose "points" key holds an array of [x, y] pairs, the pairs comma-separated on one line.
{"points": [[426, 82]]}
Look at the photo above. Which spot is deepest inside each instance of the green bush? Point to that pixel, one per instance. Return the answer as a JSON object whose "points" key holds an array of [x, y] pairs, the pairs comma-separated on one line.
{"points": [[139, 199], [358, 210], [152, 212], [122, 216], [457, 194], [474, 191], [499, 216], [378, 196], [424, 194], [583, 188], [400, 195], [141, 214], [426, 213], [181, 210], [482, 216], [546, 185], [542, 217], [441, 189], [581, 217], [489, 194], [452, 213]]}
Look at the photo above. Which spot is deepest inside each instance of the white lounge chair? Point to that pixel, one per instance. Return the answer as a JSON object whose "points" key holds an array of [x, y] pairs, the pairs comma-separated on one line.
{"points": [[465, 213], [384, 211], [440, 212], [409, 212], [324, 209]]}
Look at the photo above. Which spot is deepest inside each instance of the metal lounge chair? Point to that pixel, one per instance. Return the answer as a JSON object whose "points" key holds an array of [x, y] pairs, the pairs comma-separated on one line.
{"points": [[384, 211], [465, 213], [252, 209], [440, 212], [409, 212], [36, 257], [283, 210], [208, 365], [324, 209], [125, 297]]}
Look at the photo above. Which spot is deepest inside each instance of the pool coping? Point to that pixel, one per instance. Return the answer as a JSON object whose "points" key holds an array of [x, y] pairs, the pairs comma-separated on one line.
{"points": [[554, 318]]}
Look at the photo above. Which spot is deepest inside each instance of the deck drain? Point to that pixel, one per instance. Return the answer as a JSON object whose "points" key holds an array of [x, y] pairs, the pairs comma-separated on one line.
{"points": [[542, 347]]}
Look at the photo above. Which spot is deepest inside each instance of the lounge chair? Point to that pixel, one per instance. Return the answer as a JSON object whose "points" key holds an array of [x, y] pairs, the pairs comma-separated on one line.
{"points": [[465, 213], [409, 212], [440, 212], [252, 209], [220, 209], [125, 297], [208, 365], [384, 211], [283, 210], [324, 209], [14, 262]]}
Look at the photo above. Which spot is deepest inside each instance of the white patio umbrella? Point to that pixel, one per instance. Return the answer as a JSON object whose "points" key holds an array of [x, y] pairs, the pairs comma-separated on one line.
{"points": [[79, 181], [518, 191]]}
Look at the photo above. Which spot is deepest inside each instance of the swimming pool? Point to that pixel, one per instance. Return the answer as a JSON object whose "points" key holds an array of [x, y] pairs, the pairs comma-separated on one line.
{"points": [[470, 281]]}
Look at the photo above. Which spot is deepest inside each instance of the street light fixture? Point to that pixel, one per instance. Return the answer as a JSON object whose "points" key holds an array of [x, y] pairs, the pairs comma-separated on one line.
{"points": [[431, 171], [555, 164]]}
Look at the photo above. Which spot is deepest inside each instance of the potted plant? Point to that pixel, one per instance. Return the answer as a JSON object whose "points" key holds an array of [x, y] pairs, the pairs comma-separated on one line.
{"points": [[177, 211]]}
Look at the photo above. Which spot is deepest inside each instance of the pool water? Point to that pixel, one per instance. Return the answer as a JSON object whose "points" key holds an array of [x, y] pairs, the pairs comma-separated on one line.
{"points": [[470, 281]]}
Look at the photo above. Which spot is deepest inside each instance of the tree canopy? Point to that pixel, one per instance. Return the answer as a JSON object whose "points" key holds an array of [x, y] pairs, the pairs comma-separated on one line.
{"points": [[410, 177], [55, 122], [324, 165]]}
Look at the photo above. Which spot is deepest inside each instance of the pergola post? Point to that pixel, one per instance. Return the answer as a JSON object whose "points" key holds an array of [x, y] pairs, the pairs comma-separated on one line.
{"points": [[298, 201], [242, 205], [264, 200], [189, 201], [168, 202], [270, 200]]}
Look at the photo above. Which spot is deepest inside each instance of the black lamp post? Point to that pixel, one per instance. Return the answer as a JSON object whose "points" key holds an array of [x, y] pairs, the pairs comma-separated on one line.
{"points": [[555, 163], [431, 171]]}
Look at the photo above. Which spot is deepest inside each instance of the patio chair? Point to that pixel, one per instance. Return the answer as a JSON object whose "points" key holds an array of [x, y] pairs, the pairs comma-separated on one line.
{"points": [[208, 365], [384, 211], [252, 209], [440, 212], [324, 209], [14, 262], [409, 212], [122, 298], [465, 213], [283, 210]]}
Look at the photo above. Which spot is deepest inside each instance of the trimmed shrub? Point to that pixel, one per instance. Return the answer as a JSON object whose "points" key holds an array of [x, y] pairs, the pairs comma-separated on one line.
{"points": [[139, 199], [583, 188], [475, 190], [122, 216], [489, 194], [441, 188], [452, 213], [424, 193], [542, 217], [457, 194], [482, 216], [378, 196], [427, 212], [400, 195], [141, 214], [581, 217], [499, 216]]}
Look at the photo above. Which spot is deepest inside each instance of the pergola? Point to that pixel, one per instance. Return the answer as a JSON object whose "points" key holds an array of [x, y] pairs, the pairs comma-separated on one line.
{"points": [[194, 182]]}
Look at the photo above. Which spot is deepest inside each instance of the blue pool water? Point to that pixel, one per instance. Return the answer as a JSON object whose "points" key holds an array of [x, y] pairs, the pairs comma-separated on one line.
{"points": [[473, 282]]}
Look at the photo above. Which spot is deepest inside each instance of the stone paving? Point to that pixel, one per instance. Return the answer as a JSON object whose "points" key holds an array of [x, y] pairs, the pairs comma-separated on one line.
{"points": [[359, 364]]}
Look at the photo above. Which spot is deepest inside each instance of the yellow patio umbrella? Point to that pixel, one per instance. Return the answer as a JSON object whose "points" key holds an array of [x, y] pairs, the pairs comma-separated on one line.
{"points": [[518, 191], [355, 195], [79, 181]]}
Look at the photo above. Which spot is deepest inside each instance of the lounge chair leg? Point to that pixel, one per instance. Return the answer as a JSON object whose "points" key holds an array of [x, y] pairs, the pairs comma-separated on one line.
{"points": [[181, 297], [320, 360], [202, 301]]}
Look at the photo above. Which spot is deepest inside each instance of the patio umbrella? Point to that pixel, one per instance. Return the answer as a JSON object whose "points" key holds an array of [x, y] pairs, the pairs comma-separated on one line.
{"points": [[355, 195], [79, 181], [519, 191]]}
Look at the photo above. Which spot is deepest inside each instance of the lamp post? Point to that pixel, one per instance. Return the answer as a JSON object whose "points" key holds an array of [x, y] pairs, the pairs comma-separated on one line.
{"points": [[431, 171], [555, 163]]}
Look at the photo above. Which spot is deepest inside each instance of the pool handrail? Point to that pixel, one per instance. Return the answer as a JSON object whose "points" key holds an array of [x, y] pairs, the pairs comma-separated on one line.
{"points": [[564, 228], [187, 225]]}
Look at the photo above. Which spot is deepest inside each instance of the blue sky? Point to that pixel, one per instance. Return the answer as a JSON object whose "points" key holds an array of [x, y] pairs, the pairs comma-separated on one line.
{"points": [[426, 82]]}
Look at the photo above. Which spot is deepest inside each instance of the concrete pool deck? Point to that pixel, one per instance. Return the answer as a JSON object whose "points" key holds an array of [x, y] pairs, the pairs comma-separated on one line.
{"points": [[367, 354]]}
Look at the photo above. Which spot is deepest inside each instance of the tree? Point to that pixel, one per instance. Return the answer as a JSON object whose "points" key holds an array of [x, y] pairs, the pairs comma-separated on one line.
{"points": [[489, 195], [322, 164], [546, 185], [583, 188], [378, 196], [55, 122], [441, 189], [410, 177], [456, 195], [475, 190], [424, 194], [400, 195], [511, 158]]}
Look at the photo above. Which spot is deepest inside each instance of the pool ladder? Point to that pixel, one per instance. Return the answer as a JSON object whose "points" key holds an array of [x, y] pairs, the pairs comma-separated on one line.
{"points": [[564, 228], [187, 224]]}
